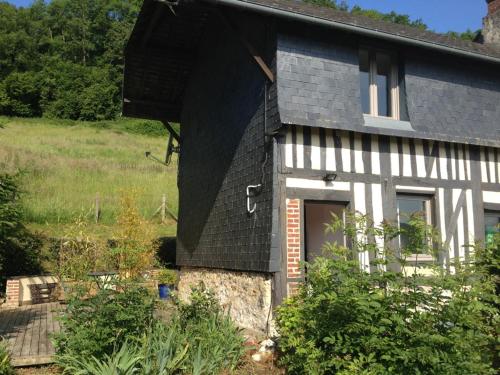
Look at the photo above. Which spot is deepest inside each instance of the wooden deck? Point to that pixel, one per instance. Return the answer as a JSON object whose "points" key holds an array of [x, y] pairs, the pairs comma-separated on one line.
{"points": [[27, 330]]}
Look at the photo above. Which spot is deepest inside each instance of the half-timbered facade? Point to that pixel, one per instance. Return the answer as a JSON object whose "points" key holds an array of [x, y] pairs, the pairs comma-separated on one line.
{"points": [[290, 112]]}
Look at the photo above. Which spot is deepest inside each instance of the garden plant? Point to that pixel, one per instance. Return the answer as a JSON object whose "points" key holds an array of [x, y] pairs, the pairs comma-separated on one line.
{"points": [[115, 332], [393, 318], [5, 365]]}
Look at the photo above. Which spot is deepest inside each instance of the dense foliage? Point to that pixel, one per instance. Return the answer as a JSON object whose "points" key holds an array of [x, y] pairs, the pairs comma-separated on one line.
{"points": [[204, 341], [64, 58], [348, 321], [96, 325], [5, 365], [19, 248]]}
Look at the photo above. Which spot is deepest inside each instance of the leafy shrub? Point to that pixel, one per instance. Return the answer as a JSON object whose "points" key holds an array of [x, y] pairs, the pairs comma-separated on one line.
{"points": [[347, 321], [79, 253], [102, 323], [135, 242], [215, 342], [5, 366], [167, 276], [205, 341], [20, 95], [202, 305]]}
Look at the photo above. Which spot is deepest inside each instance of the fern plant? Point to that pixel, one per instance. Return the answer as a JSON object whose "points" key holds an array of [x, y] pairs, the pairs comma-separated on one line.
{"points": [[125, 361], [5, 365]]}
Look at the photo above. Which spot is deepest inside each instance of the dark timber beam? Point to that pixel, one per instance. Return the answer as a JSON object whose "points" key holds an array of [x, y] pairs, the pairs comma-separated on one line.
{"points": [[250, 48], [169, 127]]}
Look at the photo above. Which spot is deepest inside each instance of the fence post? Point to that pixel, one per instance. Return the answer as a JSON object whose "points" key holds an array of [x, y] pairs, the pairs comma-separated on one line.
{"points": [[97, 208], [163, 208]]}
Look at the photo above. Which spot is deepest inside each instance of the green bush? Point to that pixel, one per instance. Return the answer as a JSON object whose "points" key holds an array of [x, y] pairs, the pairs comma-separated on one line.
{"points": [[205, 341], [20, 95], [5, 366], [98, 325], [167, 276], [347, 321]]}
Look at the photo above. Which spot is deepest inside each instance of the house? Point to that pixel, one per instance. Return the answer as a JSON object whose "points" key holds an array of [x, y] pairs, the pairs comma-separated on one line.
{"points": [[290, 111]]}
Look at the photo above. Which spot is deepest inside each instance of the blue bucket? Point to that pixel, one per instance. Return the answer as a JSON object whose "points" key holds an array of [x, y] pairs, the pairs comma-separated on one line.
{"points": [[164, 291]]}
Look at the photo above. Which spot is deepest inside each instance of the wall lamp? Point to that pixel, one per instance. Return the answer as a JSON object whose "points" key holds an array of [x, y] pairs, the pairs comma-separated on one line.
{"points": [[329, 177]]}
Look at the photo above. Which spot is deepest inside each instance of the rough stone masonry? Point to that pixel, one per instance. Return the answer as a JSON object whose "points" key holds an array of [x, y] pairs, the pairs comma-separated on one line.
{"points": [[245, 295], [491, 23]]}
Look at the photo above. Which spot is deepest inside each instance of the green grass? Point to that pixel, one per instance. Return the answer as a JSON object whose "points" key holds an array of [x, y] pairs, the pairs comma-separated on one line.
{"points": [[65, 164]]}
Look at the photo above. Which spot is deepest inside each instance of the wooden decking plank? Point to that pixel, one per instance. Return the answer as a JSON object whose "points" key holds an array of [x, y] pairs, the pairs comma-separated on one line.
{"points": [[35, 336], [4, 317], [28, 329], [10, 316], [42, 343], [14, 328], [51, 316], [16, 350], [25, 349]]}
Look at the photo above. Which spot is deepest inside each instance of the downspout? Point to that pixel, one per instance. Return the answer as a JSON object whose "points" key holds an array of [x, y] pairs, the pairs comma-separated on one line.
{"points": [[273, 11]]}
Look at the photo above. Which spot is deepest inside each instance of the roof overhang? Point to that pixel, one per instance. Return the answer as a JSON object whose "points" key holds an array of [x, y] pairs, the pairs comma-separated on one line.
{"points": [[159, 57], [163, 47]]}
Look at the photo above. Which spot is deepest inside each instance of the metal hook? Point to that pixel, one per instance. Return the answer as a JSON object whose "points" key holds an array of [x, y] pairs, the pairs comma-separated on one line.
{"points": [[251, 187]]}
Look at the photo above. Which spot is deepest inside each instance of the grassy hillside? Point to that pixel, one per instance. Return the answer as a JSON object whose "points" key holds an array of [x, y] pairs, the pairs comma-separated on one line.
{"points": [[65, 164]]}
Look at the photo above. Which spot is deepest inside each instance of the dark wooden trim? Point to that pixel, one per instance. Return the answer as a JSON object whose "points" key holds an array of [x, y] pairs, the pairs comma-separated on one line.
{"points": [[491, 206], [489, 186], [318, 194], [377, 179], [477, 192], [249, 47], [171, 130]]}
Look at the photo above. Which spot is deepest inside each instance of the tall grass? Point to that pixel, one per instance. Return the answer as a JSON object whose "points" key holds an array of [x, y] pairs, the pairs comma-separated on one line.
{"points": [[65, 164]]}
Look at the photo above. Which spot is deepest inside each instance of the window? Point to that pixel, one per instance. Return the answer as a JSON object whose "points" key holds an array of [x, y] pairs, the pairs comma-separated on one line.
{"points": [[491, 224], [409, 204], [379, 84]]}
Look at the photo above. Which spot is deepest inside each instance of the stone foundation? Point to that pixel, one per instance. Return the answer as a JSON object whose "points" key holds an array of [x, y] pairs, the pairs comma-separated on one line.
{"points": [[246, 295]]}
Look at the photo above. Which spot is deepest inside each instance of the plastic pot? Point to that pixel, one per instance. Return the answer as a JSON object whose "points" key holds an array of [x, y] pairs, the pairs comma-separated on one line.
{"points": [[165, 291]]}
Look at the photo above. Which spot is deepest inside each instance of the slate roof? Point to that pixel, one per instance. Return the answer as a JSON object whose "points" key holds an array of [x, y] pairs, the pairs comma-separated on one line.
{"points": [[389, 28], [162, 49]]}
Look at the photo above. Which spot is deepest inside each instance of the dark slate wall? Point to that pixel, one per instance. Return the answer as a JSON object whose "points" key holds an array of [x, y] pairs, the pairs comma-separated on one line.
{"points": [[448, 100], [318, 83], [223, 151], [452, 101]]}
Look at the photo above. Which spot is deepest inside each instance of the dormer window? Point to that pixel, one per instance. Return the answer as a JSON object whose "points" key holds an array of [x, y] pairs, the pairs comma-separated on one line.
{"points": [[379, 84]]}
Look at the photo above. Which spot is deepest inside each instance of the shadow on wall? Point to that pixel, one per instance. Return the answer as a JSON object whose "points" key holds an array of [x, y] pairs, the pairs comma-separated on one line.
{"points": [[223, 100], [167, 251]]}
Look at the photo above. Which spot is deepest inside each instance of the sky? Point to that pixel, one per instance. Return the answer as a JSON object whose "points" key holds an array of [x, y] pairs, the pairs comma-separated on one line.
{"points": [[439, 15]]}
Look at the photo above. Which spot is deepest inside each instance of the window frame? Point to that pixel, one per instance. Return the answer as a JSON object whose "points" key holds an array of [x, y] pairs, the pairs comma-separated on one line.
{"points": [[490, 213], [430, 212], [373, 88]]}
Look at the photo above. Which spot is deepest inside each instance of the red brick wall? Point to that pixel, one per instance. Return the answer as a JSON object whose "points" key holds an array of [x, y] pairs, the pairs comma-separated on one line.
{"points": [[493, 6], [12, 293], [293, 243]]}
